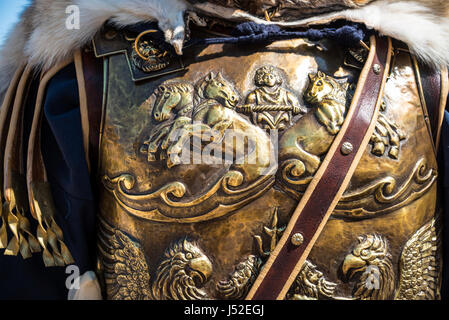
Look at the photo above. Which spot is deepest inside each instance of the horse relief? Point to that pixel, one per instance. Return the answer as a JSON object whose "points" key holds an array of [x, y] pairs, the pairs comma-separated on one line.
{"points": [[302, 146], [210, 112], [207, 113]]}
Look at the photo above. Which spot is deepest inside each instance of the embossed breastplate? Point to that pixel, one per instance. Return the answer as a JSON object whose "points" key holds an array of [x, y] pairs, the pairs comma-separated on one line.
{"points": [[203, 161]]}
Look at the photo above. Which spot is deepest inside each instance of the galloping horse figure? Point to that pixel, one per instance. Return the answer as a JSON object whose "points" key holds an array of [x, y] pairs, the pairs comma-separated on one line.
{"points": [[303, 144], [171, 98], [209, 118], [329, 99], [213, 120]]}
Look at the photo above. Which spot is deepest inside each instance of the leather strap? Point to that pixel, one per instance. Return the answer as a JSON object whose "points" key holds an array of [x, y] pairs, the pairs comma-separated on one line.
{"points": [[331, 180], [433, 86], [92, 82]]}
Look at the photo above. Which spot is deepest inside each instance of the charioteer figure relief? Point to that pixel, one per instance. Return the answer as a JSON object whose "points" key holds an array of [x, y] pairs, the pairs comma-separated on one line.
{"points": [[270, 105]]}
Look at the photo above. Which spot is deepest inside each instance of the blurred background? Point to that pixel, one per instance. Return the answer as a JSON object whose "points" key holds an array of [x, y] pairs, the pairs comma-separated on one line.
{"points": [[9, 13]]}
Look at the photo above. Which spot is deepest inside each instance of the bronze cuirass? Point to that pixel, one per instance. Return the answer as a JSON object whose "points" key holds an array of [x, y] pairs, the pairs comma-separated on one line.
{"points": [[203, 160]]}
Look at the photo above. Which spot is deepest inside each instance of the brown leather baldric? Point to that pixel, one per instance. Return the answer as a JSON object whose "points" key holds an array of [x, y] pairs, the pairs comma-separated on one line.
{"points": [[433, 90], [330, 181], [90, 77], [93, 74]]}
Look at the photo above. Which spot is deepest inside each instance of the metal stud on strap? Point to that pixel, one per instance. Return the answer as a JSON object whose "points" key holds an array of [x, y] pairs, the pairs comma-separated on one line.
{"points": [[347, 148], [297, 239]]}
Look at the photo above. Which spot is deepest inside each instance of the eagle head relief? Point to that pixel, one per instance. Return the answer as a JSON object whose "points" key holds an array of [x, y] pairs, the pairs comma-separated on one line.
{"points": [[371, 261], [184, 270]]}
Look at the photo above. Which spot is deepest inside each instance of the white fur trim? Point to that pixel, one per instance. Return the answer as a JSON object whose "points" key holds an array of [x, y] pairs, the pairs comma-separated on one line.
{"points": [[94, 13], [426, 33], [42, 39], [424, 30]]}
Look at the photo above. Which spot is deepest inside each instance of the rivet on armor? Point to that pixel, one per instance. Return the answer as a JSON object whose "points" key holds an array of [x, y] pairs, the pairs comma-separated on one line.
{"points": [[346, 148], [377, 69], [297, 239]]}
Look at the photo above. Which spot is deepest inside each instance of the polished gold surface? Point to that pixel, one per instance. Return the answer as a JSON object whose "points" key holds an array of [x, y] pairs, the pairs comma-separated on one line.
{"points": [[190, 225]]}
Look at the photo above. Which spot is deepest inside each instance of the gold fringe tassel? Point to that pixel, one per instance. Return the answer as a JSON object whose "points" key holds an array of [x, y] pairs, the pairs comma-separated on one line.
{"points": [[15, 229], [23, 240], [49, 234]]}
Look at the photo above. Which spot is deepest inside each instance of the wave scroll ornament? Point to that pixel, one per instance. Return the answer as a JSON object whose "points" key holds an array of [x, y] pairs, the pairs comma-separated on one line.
{"points": [[172, 202], [386, 195]]}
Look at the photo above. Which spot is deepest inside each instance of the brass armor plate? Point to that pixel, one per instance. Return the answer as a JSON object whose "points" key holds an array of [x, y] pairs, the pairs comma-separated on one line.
{"points": [[202, 168]]}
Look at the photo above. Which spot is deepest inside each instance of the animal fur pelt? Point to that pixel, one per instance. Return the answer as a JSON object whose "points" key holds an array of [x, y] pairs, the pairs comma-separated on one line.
{"points": [[422, 24], [41, 38]]}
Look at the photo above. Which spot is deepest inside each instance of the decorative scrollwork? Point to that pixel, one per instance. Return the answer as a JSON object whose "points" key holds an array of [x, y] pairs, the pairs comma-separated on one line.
{"points": [[166, 203], [294, 169], [385, 195], [149, 55]]}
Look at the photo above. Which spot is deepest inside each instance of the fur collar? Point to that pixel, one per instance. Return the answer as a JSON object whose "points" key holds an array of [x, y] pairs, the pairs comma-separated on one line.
{"points": [[422, 24], [41, 38]]}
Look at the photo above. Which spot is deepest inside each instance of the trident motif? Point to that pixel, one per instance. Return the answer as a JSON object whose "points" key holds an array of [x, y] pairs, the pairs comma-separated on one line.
{"points": [[274, 233]]}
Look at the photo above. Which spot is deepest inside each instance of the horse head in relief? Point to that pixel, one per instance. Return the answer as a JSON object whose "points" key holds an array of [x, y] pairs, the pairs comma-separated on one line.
{"points": [[319, 88], [172, 98], [329, 99], [205, 111], [301, 151], [216, 87]]}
